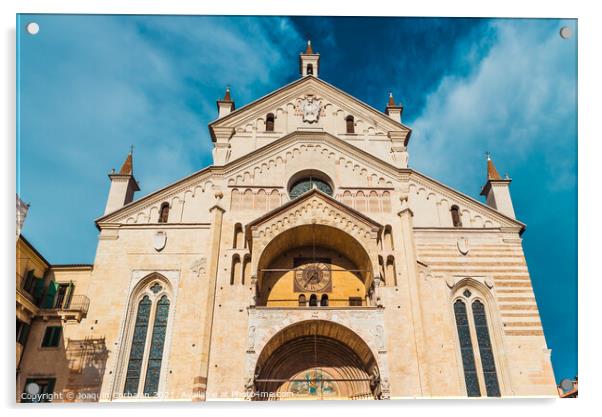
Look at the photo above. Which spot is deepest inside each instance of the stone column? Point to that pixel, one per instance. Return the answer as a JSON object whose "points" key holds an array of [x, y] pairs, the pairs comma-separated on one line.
{"points": [[408, 246], [199, 389]]}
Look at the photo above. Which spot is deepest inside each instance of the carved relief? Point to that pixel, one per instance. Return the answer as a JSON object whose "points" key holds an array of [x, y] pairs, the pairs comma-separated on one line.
{"points": [[198, 267], [310, 108], [463, 247], [159, 240]]}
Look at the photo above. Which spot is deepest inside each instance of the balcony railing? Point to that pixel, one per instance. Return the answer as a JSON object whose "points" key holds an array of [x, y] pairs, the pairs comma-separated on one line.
{"points": [[73, 308]]}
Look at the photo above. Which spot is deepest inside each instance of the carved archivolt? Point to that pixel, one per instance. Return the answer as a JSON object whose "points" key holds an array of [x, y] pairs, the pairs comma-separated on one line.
{"points": [[316, 210]]}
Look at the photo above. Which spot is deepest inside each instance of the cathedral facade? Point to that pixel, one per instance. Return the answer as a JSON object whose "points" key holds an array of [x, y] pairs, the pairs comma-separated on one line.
{"points": [[308, 262]]}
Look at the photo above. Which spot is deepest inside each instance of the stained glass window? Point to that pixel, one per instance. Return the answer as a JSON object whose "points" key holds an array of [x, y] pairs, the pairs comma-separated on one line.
{"points": [[487, 360], [132, 378], [306, 184], [153, 371], [468, 361]]}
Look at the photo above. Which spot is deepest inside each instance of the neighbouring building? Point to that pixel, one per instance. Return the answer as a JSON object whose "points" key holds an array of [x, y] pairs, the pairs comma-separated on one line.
{"points": [[308, 262], [46, 302]]}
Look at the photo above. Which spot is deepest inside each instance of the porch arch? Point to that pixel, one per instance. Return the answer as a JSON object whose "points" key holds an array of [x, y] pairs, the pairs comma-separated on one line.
{"points": [[317, 359]]}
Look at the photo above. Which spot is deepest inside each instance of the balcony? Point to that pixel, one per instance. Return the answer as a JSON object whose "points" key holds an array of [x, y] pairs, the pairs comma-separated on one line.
{"points": [[73, 309]]}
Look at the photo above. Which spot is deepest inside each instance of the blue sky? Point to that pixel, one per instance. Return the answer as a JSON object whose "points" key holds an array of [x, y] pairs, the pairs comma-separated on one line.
{"points": [[91, 86]]}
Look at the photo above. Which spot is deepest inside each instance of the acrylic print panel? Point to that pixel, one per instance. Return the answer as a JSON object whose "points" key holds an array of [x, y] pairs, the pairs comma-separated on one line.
{"points": [[217, 207]]}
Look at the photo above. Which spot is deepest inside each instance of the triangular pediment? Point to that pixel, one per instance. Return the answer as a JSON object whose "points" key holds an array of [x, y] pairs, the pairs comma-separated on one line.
{"points": [[334, 103]]}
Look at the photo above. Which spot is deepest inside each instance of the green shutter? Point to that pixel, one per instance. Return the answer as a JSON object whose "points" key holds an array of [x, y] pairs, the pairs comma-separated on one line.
{"points": [[38, 288], [56, 336], [47, 336], [49, 299], [24, 333], [29, 278]]}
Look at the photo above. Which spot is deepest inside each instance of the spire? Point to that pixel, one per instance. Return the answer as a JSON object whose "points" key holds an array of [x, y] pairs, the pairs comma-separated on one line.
{"points": [[227, 95], [128, 166], [492, 173], [225, 106], [393, 110], [309, 61], [309, 50], [496, 190], [391, 102], [123, 185]]}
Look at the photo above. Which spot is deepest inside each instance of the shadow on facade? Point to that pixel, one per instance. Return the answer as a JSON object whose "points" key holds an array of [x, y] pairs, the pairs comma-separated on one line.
{"points": [[86, 360]]}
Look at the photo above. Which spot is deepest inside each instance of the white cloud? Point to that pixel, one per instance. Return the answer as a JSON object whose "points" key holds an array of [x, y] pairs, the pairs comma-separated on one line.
{"points": [[519, 103], [93, 85]]}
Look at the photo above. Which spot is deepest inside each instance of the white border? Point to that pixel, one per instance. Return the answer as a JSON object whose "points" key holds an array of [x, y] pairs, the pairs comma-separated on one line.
{"points": [[590, 136]]}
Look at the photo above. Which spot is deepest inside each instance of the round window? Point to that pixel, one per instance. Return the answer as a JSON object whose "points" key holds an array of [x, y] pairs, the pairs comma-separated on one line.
{"points": [[304, 185]]}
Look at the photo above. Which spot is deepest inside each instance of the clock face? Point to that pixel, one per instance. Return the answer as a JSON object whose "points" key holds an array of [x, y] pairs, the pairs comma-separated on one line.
{"points": [[313, 277]]}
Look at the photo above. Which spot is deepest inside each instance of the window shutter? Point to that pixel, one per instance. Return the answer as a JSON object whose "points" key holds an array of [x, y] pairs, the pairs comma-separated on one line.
{"points": [[47, 337], [56, 336], [49, 299], [24, 333], [38, 289], [68, 293]]}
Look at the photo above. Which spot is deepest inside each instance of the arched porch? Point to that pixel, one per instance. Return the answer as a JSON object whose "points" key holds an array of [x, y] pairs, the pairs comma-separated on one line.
{"points": [[316, 360]]}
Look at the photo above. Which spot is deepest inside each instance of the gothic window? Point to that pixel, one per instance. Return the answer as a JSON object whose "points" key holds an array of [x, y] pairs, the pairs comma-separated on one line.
{"points": [[485, 350], [148, 337], [302, 300], [455, 214], [324, 300], [313, 300], [349, 123], [468, 361], [475, 342], [269, 122], [132, 379], [155, 357], [304, 185], [164, 213]]}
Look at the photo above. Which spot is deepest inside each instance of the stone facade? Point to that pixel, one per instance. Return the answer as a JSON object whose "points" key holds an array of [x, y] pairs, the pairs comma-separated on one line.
{"points": [[225, 248]]}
